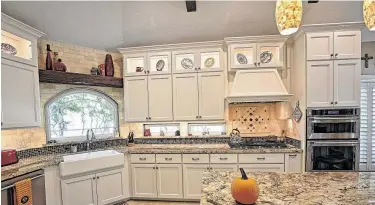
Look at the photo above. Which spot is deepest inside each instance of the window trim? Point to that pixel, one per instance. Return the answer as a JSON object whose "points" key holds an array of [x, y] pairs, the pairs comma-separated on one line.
{"points": [[207, 124], [73, 91]]}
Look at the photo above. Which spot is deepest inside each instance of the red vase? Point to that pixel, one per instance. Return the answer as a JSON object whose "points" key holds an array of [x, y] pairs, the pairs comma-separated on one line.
{"points": [[49, 58], [109, 69]]}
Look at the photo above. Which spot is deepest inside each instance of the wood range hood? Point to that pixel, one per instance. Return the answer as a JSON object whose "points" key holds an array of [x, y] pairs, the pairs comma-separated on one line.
{"points": [[258, 85]]}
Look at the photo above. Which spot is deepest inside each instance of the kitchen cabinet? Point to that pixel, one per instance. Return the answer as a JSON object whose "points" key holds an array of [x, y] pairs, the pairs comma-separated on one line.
{"points": [[169, 180], [333, 45], [251, 55], [199, 60], [223, 167], [94, 189], [159, 63], [193, 174], [198, 96], [135, 64], [333, 83], [20, 95], [148, 98], [144, 180], [293, 162]]}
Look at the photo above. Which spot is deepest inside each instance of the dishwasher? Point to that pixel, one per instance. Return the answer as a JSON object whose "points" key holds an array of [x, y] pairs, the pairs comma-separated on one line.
{"points": [[38, 188]]}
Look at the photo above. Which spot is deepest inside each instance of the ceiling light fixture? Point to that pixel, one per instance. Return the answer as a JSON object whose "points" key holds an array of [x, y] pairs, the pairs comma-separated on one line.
{"points": [[288, 16], [369, 14]]}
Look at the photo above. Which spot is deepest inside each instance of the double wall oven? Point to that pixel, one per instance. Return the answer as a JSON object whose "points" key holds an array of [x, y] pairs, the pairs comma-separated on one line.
{"points": [[333, 139]]}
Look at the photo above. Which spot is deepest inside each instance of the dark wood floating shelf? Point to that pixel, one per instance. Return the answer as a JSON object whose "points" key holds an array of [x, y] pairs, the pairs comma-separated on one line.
{"points": [[50, 76]]}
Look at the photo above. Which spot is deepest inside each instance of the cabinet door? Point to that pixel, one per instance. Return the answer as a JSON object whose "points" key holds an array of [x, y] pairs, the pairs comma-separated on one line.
{"points": [[210, 60], [135, 64], [159, 63], [79, 191], [319, 46], [110, 186], [293, 162], [160, 98], [185, 61], [319, 77], [347, 44], [185, 96], [169, 180], [136, 98], [193, 180], [223, 167], [144, 180], [262, 167], [347, 76], [20, 95], [270, 54], [211, 95], [243, 55]]}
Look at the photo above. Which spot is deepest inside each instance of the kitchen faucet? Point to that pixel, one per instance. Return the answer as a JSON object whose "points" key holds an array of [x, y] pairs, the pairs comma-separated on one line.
{"points": [[88, 138]]}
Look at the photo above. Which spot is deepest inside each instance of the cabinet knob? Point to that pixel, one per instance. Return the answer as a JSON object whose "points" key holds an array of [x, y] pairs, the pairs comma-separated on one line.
{"points": [[258, 64], [200, 116], [144, 71], [196, 116], [195, 68], [336, 55], [148, 71], [331, 103], [97, 177], [255, 64], [335, 103], [149, 118], [332, 55]]}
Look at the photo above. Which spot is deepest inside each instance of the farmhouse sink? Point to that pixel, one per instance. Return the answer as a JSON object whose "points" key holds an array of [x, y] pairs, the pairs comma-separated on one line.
{"points": [[90, 162]]}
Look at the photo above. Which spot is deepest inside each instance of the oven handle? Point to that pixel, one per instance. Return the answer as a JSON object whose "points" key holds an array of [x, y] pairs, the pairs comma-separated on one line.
{"points": [[334, 120], [353, 143]]}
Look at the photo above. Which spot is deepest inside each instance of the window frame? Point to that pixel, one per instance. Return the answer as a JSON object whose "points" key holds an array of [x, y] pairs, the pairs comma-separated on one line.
{"points": [[224, 124], [178, 125], [74, 91]]}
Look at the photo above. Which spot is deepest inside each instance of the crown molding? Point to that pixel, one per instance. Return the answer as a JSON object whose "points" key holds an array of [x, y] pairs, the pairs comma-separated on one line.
{"points": [[256, 39], [5, 19], [167, 47]]}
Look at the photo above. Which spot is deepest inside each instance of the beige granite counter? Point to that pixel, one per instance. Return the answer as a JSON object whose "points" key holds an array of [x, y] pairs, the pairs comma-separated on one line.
{"points": [[328, 188], [39, 162]]}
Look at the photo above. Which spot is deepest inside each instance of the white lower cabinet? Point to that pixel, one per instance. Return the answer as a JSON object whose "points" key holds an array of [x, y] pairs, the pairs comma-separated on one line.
{"points": [[144, 180], [169, 180], [223, 167], [94, 189], [262, 167], [293, 162], [193, 180]]}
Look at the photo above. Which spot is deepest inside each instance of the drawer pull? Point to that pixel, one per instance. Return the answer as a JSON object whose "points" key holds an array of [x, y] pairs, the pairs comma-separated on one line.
{"points": [[195, 159], [144, 158], [293, 155], [223, 158], [168, 159], [261, 158]]}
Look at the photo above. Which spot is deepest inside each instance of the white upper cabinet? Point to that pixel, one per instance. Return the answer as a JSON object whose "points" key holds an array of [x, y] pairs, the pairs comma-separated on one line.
{"points": [[159, 63], [185, 96], [210, 60], [319, 83], [270, 54], [136, 98], [20, 95], [211, 95], [319, 46], [135, 64], [347, 44], [160, 98], [243, 55], [185, 61], [347, 74], [333, 45]]}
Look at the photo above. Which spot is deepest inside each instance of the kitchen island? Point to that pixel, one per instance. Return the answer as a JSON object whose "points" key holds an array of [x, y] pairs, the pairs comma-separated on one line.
{"points": [[328, 188]]}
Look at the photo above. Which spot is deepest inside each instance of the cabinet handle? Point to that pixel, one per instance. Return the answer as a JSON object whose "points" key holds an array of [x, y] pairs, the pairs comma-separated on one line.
{"points": [[332, 55], [93, 178], [97, 177], [255, 64], [261, 158], [144, 71], [143, 159], [168, 159], [195, 68], [195, 159], [200, 116], [196, 117], [292, 155], [223, 158], [336, 103], [157, 167], [336, 55], [331, 103], [208, 168], [148, 71], [149, 118], [153, 167], [258, 64]]}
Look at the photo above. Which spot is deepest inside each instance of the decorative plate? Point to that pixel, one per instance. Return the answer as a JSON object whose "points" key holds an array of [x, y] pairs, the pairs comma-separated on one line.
{"points": [[160, 65], [266, 57], [209, 62], [297, 113], [241, 58], [8, 49], [187, 63]]}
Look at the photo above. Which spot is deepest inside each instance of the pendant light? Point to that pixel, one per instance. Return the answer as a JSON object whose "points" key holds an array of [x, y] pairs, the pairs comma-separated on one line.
{"points": [[369, 14], [288, 16]]}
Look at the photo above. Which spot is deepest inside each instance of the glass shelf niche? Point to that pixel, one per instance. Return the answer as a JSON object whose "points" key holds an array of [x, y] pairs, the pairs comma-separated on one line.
{"points": [[22, 47]]}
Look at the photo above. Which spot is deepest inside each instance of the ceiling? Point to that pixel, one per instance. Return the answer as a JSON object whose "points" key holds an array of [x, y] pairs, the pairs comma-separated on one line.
{"points": [[110, 25]]}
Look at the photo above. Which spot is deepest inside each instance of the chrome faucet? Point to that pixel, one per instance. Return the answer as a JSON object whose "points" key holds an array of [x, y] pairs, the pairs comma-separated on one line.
{"points": [[89, 131]]}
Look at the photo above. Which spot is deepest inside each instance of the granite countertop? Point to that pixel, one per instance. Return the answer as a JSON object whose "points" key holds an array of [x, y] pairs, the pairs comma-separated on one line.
{"points": [[42, 161], [309, 188]]}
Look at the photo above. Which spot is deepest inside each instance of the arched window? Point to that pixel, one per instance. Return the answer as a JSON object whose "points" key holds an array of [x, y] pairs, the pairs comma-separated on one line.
{"points": [[71, 113]]}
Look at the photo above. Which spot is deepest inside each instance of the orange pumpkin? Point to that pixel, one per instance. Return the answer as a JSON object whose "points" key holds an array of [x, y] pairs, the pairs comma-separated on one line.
{"points": [[245, 190]]}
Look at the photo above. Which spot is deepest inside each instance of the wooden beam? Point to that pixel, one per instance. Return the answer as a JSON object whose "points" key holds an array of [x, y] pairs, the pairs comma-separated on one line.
{"points": [[50, 76], [191, 6]]}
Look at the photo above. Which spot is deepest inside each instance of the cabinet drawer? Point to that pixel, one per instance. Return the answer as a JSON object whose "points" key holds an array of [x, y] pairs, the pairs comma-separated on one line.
{"points": [[195, 158], [168, 158], [143, 158], [261, 158], [223, 158], [262, 167]]}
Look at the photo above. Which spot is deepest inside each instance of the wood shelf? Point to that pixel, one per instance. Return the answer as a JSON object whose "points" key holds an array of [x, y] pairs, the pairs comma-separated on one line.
{"points": [[50, 76]]}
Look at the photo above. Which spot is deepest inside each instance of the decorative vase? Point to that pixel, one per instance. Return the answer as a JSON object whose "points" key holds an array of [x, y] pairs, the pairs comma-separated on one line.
{"points": [[109, 69], [60, 66], [49, 58], [102, 69]]}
